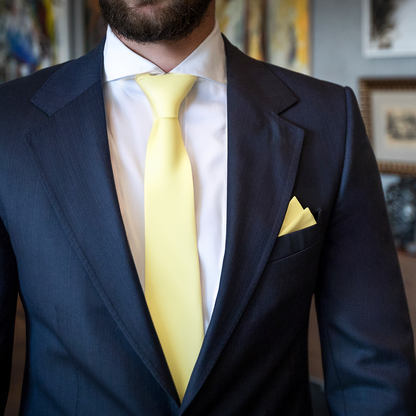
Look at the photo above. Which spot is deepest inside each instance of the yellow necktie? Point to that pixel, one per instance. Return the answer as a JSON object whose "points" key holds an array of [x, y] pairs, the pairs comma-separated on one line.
{"points": [[172, 278]]}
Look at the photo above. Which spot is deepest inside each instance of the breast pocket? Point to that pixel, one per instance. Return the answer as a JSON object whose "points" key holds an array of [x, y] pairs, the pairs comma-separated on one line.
{"points": [[295, 242]]}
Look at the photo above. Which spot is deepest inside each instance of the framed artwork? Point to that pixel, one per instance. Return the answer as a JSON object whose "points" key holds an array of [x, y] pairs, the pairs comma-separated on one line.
{"points": [[33, 35], [389, 28], [276, 31], [389, 112]]}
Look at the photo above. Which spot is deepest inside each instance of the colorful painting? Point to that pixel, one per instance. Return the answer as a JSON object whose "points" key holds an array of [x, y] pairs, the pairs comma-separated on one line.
{"points": [[276, 31], [288, 34], [26, 37], [231, 15]]}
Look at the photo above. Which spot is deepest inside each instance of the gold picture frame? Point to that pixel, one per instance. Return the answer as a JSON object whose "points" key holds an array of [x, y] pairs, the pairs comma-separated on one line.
{"points": [[388, 107]]}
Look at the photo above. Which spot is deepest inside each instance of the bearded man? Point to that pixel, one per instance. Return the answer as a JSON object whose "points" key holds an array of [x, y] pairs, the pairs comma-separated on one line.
{"points": [[168, 208]]}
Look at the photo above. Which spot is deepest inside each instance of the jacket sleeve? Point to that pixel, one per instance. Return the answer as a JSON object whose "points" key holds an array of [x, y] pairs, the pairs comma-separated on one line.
{"points": [[365, 330], [8, 298]]}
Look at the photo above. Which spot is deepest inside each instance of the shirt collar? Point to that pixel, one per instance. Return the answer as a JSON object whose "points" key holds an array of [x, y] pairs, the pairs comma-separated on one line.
{"points": [[122, 62]]}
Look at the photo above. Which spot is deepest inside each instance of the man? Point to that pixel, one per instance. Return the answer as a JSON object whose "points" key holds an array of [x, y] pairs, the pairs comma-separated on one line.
{"points": [[72, 208]]}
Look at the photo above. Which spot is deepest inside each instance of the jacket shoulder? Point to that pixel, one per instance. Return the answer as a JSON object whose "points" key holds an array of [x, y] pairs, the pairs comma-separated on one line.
{"points": [[274, 83], [16, 108], [22, 89], [51, 88], [310, 90]]}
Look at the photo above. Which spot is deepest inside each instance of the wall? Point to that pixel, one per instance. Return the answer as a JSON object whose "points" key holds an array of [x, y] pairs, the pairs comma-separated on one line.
{"points": [[336, 46]]}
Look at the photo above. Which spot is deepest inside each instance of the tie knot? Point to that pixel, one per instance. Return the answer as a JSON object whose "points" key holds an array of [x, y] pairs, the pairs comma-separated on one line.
{"points": [[165, 92]]}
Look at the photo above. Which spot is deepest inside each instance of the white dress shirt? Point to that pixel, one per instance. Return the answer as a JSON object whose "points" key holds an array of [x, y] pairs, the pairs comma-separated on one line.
{"points": [[203, 119]]}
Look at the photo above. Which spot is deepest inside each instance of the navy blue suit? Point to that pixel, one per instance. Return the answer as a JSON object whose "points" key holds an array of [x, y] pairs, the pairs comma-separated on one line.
{"points": [[92, 348]]}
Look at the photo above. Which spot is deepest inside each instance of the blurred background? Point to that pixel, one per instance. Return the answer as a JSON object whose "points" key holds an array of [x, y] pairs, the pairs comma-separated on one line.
{"points": [[369, 45]]}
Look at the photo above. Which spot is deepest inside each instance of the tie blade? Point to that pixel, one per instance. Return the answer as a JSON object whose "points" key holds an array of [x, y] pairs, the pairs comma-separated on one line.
{"points": [[172, 276]]}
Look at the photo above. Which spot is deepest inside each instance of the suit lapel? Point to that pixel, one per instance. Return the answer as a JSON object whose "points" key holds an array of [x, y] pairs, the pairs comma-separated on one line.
{"points": [[263, 156], [71, 153]]}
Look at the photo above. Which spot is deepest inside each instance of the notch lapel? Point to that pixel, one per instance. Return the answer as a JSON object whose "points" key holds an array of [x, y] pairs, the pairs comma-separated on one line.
{"points": [[72, 156], [263, 156]]}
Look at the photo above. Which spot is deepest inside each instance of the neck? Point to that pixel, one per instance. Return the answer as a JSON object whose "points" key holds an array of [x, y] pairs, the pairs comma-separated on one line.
{"points": [[167, 55]]}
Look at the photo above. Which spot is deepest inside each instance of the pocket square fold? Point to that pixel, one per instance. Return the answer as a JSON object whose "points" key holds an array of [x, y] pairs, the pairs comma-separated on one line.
{"points": [[296, 218]]}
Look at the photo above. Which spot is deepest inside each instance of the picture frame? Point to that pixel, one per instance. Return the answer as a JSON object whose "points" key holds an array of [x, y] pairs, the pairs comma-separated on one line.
{"points": [[389, 111], [388, 29]]}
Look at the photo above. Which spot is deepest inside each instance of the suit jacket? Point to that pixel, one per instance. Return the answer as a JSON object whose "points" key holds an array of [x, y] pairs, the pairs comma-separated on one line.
{"points": [[91, 345]]}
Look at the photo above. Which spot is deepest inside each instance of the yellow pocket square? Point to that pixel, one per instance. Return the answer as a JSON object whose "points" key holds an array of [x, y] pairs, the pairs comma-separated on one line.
{"points": [[296, 218]]}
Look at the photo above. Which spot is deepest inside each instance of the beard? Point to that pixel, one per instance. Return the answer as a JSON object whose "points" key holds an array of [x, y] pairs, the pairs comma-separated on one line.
{"points": [[150, 21]]}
